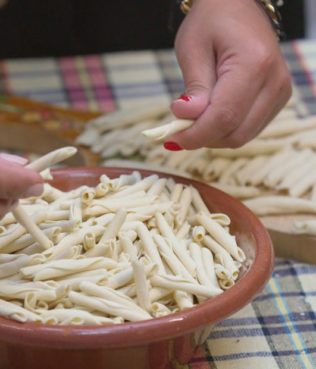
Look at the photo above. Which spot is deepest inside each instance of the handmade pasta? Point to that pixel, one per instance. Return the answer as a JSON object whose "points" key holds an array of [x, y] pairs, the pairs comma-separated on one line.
{"points": [[162, 132], [271, 164], [127, 249]]}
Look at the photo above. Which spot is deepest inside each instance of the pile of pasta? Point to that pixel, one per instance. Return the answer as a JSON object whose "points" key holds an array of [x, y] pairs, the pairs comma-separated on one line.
{"points": [[273, 174], [128, 249]]}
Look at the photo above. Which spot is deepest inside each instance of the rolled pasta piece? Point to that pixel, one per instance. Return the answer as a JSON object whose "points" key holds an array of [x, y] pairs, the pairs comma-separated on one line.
{"points": [[268, 205], [221, 272], [39, 165], [275, 161], [225, 284], [57, 268], [181, 253], [196, 253], [110, 294], [149, 245], [89, 241], [13, 266], [52, 158], [114, 226], [303, 185], [171, 259], [276, 175], [215, 168], [251, 149], [141, 283], [228, 176], [19, 290], [183, 230], [75, 282], [178, 283], [128, 246], [123, 118], [158, 187], [88, 136], [198, 202], [183, 299], [125, 276], [159, 310], [102, 189], [185, 202], [221, 236], [198, 233], [18, 313], [241, 192], [124, 180], [27, 222], [249, 169], [74, 317], [74, 238], [162, 132], [175, 160], [7, 258], [88, 195], [108, 307], [209, 267], [176, 192], [224, 257], [290, 179], [75, 213]]}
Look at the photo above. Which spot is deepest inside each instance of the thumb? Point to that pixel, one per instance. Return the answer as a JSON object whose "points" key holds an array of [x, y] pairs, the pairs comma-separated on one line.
{"points": [[198, 70]]}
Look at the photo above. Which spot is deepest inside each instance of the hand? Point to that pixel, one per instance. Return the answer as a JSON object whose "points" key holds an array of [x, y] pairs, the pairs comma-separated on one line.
{"points": [[236, 79], [16, 182]]}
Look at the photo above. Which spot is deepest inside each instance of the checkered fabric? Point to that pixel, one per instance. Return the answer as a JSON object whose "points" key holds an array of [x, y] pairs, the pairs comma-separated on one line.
{"points": [[278, 329]]}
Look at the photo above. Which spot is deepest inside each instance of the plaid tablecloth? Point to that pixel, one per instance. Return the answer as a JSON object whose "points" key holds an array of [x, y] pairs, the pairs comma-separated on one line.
{"points": [[278, 329]]}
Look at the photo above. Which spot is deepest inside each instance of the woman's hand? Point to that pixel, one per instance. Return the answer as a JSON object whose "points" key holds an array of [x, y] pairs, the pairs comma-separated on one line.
{"points": [[16, 182], [236, 79]]}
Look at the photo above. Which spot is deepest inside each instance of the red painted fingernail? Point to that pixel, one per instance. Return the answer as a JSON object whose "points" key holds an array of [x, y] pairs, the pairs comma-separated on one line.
{"points": [[172, 146], [185, 98]]}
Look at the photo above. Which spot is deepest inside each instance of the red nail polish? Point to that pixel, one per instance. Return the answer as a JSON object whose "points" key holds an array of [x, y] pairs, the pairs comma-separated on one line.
{"points": [[172, 146], [185, 98]]}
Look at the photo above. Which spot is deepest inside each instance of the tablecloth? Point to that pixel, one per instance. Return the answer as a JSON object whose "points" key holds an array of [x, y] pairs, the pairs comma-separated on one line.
{"points": [[278, 329]]}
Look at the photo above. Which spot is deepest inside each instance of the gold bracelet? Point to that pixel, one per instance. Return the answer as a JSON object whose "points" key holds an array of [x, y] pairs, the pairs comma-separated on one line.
{"points": [[185, 6], [268, 6], [271, 9]]}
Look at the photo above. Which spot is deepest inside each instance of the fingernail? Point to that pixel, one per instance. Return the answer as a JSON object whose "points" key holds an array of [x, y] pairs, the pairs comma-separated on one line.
{"points": [[13, 158], [172, 146], [35, 190], [185, 98]]}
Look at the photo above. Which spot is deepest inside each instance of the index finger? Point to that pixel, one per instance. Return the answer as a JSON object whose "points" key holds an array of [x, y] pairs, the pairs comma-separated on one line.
{"points": [[231, 100], [15, 180]]}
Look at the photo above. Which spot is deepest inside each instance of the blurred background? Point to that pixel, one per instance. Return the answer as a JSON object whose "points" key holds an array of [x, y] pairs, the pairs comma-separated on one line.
{"points": [[32, 28]]}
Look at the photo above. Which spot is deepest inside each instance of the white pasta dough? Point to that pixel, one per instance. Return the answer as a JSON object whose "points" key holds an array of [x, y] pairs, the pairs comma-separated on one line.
{"points": [[162, 132], [278, 162], [127, 249]]}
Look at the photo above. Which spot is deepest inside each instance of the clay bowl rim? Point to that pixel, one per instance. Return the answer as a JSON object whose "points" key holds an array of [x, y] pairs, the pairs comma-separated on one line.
{"points": [[157, 329]]}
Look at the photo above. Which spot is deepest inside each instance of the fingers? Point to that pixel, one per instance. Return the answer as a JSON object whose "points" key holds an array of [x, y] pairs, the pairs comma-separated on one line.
{"points": [[13, 158], [231, 100], [17, 181], [197, 64], [274, 95]]}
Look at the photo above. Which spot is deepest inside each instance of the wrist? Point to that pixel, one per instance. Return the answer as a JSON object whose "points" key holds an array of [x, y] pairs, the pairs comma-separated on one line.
{"points": [[269, 7]]}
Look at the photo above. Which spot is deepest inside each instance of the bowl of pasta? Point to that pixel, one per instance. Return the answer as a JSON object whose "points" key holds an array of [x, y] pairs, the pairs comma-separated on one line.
{"points": [[120, 268]]}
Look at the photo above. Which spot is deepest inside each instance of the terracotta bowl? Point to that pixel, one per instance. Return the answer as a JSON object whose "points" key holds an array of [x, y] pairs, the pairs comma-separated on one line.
{"points": [[162, 343]]}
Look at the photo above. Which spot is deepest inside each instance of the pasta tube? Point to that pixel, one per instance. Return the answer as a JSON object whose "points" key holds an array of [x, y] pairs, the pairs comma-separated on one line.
{"points": [[162, 132]]}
